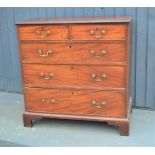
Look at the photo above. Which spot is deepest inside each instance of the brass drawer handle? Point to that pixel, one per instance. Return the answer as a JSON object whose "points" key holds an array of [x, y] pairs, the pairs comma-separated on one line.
{"points": [[52, 101], [98, 37], [41, 53], [98, 31], [43, 33], [98, 105], [43, 100], [92, 32], [97, 78], [103, 53], [102, 31], [48, 77]]}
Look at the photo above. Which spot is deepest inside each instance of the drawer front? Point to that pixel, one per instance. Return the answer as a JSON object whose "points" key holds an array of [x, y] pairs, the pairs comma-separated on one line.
{"points": [[76, 102], [45, 32], [74, 75], [99, 32], [95, 53]]}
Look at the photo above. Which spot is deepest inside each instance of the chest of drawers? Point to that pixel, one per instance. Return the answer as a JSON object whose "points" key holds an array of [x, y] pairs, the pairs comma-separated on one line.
{"points": [[76, 68]]}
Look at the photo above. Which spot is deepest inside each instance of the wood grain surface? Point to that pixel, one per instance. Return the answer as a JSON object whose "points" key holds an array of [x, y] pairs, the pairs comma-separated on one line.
{"points": [[75, 102], [75, 75], [46, 32], [74, 53], [111, 32]]}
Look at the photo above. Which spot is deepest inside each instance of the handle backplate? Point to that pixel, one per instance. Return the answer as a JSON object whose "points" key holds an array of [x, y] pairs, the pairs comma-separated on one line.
{"points": [[99, 78], [44, 53], [46, 77], [98, 33], [49, 101], [98, 105], [43, 33], [101, 54]]}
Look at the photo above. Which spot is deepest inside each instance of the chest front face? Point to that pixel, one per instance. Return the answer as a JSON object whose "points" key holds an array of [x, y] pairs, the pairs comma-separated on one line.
{"points": [[76, 69]]}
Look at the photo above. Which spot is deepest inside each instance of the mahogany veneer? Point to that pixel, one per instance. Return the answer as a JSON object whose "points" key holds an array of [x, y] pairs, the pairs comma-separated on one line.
{"points": [[78, 102], [62, 53], [74, 75], [56, 32], [101, 32], [76, 68]]}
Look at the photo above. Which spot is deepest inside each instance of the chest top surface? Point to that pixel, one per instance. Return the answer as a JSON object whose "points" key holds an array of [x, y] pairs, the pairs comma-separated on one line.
{"points": [[76, 20]]}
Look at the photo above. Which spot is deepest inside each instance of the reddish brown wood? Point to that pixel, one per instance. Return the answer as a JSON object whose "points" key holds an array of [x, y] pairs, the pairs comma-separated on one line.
{"points": [[54, 32], [128, 70], [112, 32], [124, 129], [76, 102], [75, 53], [73, 63], [122, 123], [76, 20], [28, 119], [75, 75], [123, 126]]}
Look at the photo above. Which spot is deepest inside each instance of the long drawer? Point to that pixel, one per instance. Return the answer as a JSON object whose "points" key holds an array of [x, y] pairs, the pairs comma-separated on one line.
{"points": [[76, 102], [75, 53], [75, 75]]}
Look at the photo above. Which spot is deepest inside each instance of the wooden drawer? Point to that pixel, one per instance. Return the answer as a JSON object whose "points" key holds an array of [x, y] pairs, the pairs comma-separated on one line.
{"points": [[44, 32], [99, 32], [76, 102], [74, 75], [76, 53]]}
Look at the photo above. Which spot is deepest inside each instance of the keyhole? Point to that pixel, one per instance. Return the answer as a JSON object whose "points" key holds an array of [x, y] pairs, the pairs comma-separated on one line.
{"points": [[72, 93], [70, 46], [72, 67]]}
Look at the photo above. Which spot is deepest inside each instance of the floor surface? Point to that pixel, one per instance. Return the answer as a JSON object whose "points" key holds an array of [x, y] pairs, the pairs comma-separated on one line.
{"points": [[48, 132], [9, 144]]}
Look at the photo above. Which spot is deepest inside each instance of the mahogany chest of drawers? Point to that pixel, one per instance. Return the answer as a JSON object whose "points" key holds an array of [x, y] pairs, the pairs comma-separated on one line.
{"points": [[76, 68]]}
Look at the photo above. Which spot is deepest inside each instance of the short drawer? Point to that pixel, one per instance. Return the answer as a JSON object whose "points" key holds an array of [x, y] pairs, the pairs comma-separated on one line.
{"points": [[76, 102], [99, 32], [44, 32], [74, 75], [76, 53]]}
